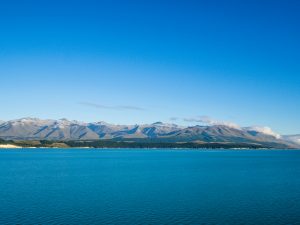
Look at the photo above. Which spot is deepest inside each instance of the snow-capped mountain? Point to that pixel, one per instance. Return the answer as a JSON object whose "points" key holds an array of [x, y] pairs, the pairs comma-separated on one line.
{"points": [[63, 129]]}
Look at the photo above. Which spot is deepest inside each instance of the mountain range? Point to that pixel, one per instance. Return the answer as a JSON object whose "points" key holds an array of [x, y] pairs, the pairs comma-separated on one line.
{"points": [[63, 130]]}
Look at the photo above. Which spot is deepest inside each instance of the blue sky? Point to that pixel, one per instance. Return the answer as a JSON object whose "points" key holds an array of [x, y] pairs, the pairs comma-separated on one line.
{"points": [[145, 61]]}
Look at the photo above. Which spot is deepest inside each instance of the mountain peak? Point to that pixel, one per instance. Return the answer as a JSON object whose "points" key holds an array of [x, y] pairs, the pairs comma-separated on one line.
{"points": [[63, 129]]}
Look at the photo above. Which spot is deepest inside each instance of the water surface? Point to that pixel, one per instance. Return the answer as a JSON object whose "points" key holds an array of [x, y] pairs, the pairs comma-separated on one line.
{"points": [[47, 186]]}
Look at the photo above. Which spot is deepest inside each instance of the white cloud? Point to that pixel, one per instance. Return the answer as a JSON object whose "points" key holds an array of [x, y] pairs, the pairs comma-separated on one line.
{"points": [[209, 121], [117, 107], [264, 130]]}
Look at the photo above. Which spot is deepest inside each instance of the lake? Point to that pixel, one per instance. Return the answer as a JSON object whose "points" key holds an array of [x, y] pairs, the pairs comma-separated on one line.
{"points": [[124, 186]]}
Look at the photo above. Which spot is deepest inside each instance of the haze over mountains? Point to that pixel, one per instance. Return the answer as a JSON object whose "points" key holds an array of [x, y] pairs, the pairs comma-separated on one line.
{"points": [[63, 129]]}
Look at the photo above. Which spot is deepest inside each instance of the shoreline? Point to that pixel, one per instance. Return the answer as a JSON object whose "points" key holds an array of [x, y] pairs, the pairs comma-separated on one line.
{"points": [[14, 147], [9, 146]]}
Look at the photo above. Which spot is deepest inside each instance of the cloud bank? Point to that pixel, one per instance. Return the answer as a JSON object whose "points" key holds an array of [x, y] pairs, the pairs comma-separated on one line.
{"points": [[264, 130], [213, 122]]}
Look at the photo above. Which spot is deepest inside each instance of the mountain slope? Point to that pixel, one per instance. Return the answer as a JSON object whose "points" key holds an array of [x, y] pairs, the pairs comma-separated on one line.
{"points": [[63, 129]]}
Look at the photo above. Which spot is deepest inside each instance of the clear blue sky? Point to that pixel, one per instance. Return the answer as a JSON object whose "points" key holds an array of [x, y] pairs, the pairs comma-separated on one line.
{"points": [[145, 61]]}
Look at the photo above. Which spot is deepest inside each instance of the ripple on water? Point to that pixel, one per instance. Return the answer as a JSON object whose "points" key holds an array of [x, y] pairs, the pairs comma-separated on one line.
{"points": [[144, 187]]}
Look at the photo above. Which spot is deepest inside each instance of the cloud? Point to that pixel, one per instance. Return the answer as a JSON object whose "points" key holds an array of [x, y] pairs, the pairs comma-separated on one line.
{"points": [[174, 118], [117, 107], [209, 121], [264, 130]]}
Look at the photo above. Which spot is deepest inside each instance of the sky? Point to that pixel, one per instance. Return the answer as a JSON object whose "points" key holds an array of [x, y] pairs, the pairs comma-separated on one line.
{"points": [[128, 62]]}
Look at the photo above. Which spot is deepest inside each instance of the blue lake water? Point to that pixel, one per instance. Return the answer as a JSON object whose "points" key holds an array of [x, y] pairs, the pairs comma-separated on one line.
{"points": [[49, 186]]}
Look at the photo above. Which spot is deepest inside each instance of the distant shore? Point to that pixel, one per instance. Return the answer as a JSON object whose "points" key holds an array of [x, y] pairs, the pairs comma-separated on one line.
{"points": [[9, 146], [133, 144]]}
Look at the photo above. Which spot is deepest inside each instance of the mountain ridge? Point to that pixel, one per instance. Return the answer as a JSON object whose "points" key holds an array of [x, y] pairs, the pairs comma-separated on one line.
{"points": [[64, 130]]}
